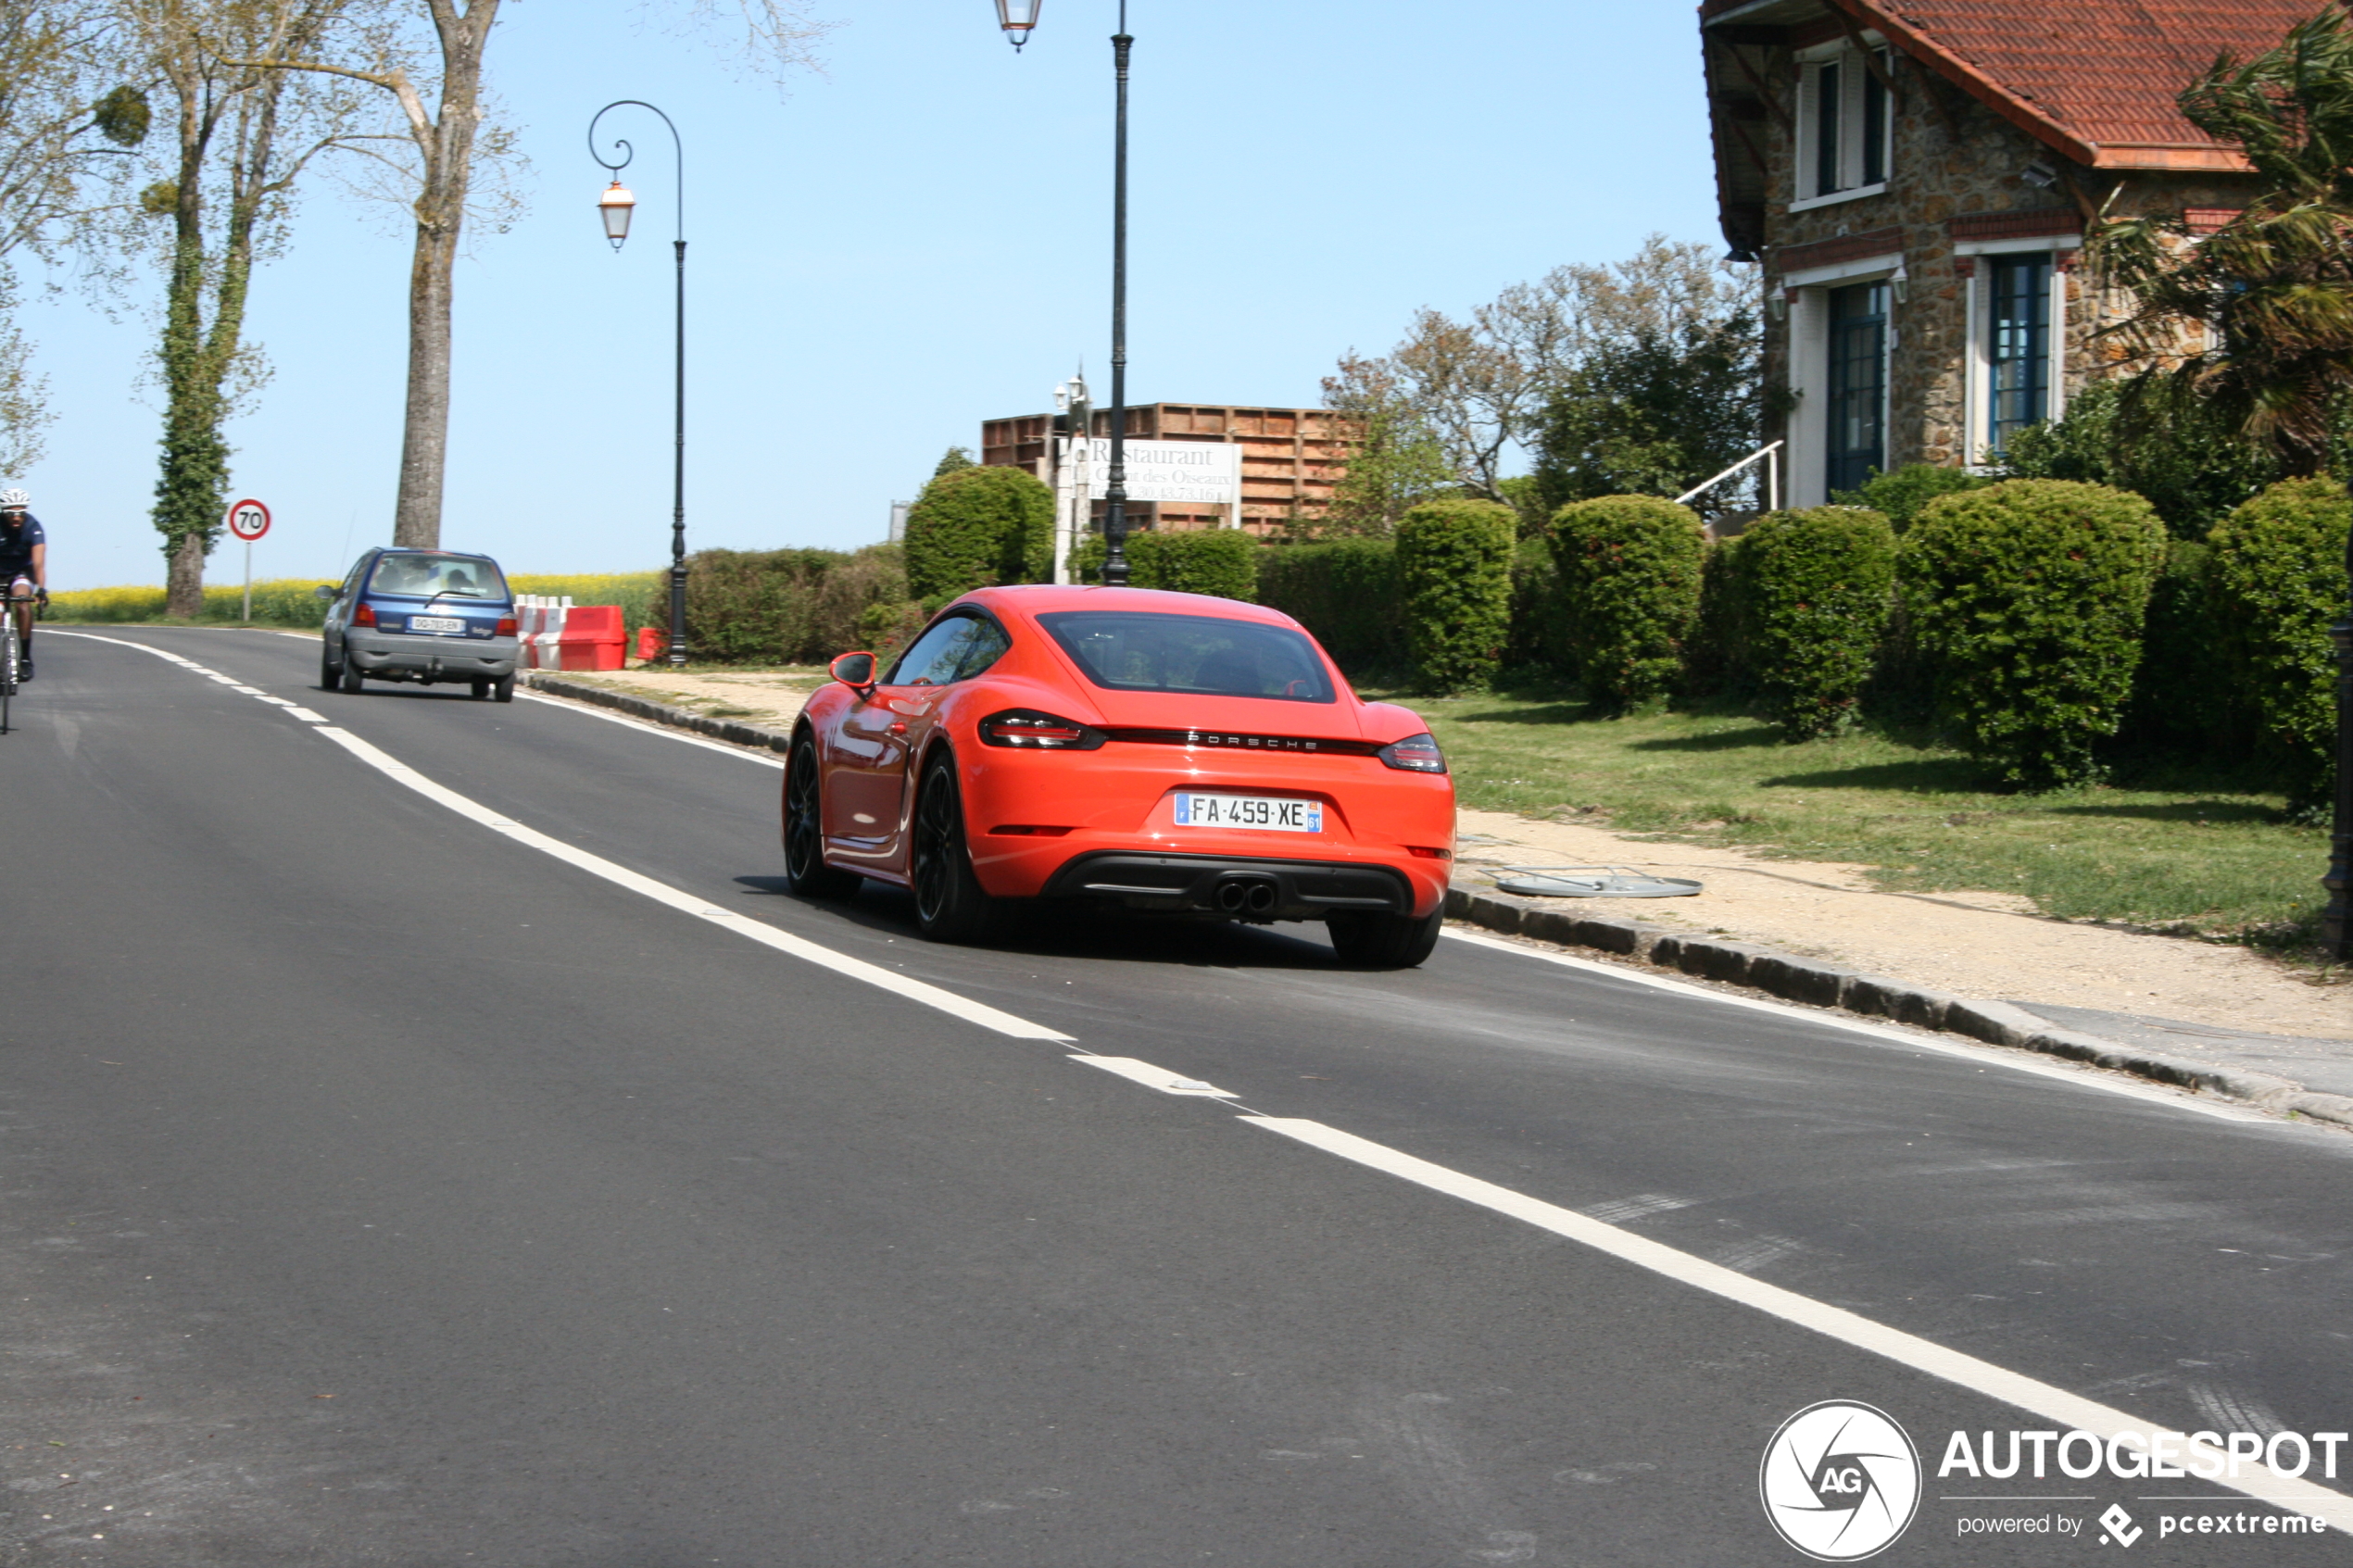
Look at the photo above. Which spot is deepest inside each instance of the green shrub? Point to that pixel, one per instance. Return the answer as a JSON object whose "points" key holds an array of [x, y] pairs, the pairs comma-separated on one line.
{"points": [[784, 606], [1539, 643], [2183, 696], [1900, 495], [1715, 656], [1629, 568], [1813, 588], [1223, 561], [2278, 575], [2182, 456], [973, 527], [1345, 593], [1454, 572], [2028, 596]]}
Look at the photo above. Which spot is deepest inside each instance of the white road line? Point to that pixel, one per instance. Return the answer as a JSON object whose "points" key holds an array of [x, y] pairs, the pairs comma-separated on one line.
{"points": [[2005, 1057], [766, 760], [663, 893], [1836, 1323], [1159, 1078]]}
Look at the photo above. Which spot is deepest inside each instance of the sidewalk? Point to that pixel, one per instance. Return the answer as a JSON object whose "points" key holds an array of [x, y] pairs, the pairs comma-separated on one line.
{"points": [[2218, 1018]]}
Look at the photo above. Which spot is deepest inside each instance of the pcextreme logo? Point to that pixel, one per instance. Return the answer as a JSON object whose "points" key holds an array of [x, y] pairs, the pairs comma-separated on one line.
{"points": [[1840, 1481]]}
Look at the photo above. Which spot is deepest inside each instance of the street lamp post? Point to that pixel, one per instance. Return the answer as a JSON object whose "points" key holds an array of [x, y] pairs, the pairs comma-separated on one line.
{"points": [[615, 207], [2336, 922], [1017, 17]]}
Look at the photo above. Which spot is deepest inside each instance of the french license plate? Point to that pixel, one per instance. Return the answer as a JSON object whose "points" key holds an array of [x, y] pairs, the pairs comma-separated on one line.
{"points": [[435, 623], [1270, 813]]}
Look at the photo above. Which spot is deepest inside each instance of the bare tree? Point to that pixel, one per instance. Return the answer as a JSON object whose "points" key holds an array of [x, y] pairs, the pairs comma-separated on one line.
{"points": [[59, 136], [1481, 386], [445, 139], [240, 138]]}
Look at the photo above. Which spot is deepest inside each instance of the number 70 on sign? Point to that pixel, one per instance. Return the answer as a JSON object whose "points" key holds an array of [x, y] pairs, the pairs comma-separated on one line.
{"points": [[249, 521]]}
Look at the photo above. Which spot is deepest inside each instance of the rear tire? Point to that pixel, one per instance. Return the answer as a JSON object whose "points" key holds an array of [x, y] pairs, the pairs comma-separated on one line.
{"points": [[804, 828], [950, 905], [1370, 941], [348, 676], [328, 671], [503, 689]]}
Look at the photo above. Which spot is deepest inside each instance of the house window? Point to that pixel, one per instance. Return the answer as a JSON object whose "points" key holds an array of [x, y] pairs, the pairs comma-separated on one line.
{"points": [[1844, 127], [2018, 352], [1857, 385]]}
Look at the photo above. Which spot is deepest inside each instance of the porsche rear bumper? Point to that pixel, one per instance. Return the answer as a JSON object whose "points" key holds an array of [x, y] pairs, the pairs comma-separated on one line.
{"points": [[1233, 886]]}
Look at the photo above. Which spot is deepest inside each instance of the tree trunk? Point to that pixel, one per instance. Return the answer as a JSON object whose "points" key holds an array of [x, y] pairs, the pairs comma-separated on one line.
{"points": [[183, 583], [447, 146]]}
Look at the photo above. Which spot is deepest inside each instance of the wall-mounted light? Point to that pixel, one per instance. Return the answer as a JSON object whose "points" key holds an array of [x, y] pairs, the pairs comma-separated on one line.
{"points": [[1777, 304], [1900, 282], [2040, 175]]}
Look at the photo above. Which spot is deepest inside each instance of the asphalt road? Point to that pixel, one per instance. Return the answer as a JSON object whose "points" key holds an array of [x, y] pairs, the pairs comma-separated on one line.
{"points": [[379, 1188]]}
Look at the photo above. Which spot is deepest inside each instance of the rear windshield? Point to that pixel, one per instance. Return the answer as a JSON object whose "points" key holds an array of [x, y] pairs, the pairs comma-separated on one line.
{"points": [[1197, 655], [423, 577]]}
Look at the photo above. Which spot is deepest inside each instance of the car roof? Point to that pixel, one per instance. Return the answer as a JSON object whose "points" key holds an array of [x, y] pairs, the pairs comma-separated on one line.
{"points": [[1043, 598]]}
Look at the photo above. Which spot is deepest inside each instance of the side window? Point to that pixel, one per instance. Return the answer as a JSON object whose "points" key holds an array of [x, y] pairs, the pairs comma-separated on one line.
{"points": [[983, 644], [359, 570], [916, 667]]}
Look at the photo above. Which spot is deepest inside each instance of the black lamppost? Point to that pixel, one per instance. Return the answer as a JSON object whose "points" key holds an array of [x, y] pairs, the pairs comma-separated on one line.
{"points": [[2336, 922], [615, 207], [1017, 17]]}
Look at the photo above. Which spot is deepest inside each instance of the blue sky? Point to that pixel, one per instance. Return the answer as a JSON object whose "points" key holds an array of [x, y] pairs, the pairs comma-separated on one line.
{"points": [[913, 242]]}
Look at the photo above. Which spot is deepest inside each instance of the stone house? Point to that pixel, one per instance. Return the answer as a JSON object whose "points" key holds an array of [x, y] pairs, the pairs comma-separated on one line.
{"points": [[1916, 177]]}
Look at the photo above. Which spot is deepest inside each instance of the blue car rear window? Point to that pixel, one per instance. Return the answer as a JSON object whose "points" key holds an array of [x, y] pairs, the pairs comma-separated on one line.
{"points": [[447, 577], [1196, 655]]}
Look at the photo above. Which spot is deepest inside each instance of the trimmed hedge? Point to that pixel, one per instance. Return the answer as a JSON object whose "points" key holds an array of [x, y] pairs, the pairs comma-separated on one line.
{"points": [[1539, 636], [2028, 596], [2184, 694], [1629, 568], [974, 527], [786, 607], [1814, 590], [1223, 561], [1715, 656], [1345, 593], [2277, 573], [1454, 570]]}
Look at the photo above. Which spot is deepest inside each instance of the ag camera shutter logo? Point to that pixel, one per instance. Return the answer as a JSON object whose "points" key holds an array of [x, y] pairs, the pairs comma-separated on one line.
{"points": [[1840, 1481]]}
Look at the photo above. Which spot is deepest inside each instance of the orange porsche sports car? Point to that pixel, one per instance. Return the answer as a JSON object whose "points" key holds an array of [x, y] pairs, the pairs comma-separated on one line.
{"points": [[1166, 752]]}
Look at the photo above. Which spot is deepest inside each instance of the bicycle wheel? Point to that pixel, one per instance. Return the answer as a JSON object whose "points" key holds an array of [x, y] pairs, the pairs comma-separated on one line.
{"points": [[9, 654]]}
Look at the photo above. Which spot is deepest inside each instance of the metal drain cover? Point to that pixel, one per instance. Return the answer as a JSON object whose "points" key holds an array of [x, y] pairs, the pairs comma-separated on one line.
{"points": [[1591, 881]]}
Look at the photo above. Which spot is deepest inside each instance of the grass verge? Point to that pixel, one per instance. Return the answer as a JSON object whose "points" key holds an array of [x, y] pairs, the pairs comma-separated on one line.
{"points": [[2204, 852]]}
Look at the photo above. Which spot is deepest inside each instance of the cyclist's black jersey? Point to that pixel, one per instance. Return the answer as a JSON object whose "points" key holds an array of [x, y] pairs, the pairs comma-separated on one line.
{"points": [[16, 547]]}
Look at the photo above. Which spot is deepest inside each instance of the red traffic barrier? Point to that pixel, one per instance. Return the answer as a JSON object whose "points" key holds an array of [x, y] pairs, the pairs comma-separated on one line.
{"points": [[559, 635], [652, 643]]}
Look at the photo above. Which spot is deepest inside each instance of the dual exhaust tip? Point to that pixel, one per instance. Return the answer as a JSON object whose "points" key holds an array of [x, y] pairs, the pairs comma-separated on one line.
{"points": [[1245, 895]]}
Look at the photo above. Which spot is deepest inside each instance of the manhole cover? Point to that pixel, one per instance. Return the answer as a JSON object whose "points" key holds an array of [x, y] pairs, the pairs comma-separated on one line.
{"points": [[1590, 881]]}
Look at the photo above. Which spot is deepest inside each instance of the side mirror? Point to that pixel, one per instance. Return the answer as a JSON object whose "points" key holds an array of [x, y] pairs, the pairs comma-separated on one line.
{"points": [[853, 670], [326, 590]]}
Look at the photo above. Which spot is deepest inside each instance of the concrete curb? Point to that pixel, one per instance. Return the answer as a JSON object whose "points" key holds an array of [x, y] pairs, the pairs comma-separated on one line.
{"points": [[731, 729], [1810, 981], [1819, 983]]}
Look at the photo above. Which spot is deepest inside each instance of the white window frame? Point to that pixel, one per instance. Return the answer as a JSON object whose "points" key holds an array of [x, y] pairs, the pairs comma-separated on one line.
{"points": [[1852, 72], [1809, 370], [1978, 364]]}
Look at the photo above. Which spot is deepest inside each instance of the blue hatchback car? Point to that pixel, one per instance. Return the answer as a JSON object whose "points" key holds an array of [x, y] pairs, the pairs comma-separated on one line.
{"points": [[426, 616]]}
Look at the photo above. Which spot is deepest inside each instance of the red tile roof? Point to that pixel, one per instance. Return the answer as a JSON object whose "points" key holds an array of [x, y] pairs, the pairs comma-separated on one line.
{"points": [[2096, 78]]}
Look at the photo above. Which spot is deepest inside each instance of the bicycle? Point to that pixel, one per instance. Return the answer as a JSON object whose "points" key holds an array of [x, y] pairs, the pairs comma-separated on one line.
{"points": [[12, 652]]}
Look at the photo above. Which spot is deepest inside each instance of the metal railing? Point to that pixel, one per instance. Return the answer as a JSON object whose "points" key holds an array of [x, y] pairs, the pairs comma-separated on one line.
{"points": [[1771, 453]]}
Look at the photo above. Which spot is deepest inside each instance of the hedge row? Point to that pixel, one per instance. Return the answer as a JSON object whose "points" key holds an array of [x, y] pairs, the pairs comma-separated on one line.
{"points": [[792, 607]]}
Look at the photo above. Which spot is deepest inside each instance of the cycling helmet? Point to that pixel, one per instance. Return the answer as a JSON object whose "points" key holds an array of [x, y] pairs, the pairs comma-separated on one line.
{"points": [[14, 500]]}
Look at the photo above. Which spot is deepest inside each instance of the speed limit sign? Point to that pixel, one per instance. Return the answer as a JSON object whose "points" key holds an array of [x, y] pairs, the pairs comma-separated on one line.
{"points": [[249, 521]]}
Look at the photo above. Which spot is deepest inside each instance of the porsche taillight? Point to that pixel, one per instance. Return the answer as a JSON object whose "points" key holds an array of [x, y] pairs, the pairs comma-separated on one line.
{"points": [[1415, 754], [1025, 728], [365, 615]]}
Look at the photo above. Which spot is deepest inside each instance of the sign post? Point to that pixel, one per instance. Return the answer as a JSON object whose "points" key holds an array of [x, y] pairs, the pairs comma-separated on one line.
{"points": [[249, 521]]}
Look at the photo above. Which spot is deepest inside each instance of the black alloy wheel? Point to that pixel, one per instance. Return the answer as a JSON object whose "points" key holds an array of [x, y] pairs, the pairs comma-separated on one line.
{"points": [[950, 905], [1373, 941], [805, 869]]}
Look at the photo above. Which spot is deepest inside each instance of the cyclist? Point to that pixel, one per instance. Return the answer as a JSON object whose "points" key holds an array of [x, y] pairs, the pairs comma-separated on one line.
{"points": [[24, 566]]}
